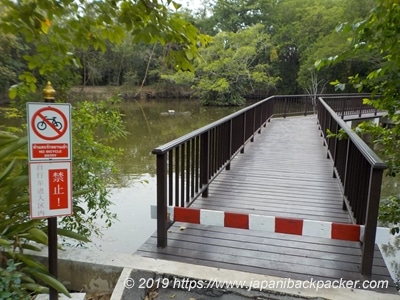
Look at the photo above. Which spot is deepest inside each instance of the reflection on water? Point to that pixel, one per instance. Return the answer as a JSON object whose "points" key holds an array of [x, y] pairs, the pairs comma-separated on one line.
{"points": [[149, 125], [134, 225]]}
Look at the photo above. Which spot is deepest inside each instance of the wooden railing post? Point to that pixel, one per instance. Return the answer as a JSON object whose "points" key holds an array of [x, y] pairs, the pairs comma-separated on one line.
{"points": [[345, 160], [368, 247], [162, 221], [361, 193], [230, 146], [253, 129], [285, 104], [244, 132], [305, 105], [204, 161], [198, 157], [343, 108]]}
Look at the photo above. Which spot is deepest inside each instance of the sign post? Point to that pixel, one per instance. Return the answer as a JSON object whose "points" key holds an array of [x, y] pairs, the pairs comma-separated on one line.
{"points": [[50, 174]]}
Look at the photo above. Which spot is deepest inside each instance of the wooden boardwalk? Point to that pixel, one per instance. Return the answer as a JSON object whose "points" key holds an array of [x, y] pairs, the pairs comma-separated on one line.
{"points": [[285, 173]]}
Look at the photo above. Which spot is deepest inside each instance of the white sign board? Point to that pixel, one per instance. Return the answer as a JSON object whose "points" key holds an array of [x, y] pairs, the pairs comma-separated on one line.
{"points": [[49, 131], [50, 185]]}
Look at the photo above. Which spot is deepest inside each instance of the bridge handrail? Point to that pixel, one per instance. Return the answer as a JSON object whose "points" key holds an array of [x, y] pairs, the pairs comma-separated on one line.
{"points": [[347, 105], [372, 157], [360, 173], [306, 109], [186, 166], [172, 144]]}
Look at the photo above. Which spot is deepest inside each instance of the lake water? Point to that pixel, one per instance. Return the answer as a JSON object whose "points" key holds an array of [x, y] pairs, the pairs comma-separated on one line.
{"points": [[149, 125]]}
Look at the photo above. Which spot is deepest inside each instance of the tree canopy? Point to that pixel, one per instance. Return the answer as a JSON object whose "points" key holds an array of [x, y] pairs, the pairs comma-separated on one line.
{"points": [[112, 42], [53, 30], [49, 34], [377, 39], [233, 65], [238, 47]]}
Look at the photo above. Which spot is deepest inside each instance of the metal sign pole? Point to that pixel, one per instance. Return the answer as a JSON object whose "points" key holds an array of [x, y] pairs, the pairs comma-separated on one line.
{"points": [[49, 95], [52, 235]]}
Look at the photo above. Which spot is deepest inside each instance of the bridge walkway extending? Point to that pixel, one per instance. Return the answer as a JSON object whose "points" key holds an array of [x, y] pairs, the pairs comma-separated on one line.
{"points": [[284, 173]]}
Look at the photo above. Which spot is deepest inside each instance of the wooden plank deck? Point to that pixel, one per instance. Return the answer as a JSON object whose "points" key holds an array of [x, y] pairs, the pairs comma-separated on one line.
{"points": [[286, 173]]}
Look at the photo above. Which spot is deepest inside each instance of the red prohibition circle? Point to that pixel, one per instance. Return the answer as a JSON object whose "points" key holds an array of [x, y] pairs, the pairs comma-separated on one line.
{"points": [[59, 133]]}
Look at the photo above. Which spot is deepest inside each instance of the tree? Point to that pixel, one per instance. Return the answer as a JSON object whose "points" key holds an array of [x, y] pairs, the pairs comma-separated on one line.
{"points": [[316, 86], [376, 37], [302, 30], [56, 28], [329, 42], [230, 67], [235, 15], [9, 64]]}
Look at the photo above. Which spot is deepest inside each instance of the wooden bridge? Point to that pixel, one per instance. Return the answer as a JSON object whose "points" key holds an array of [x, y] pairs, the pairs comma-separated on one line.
{"points": [[273, 161]]}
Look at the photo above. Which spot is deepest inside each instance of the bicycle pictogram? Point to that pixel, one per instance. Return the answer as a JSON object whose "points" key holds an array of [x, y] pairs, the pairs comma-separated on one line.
{"points": [[42, 125], [49, 134]]}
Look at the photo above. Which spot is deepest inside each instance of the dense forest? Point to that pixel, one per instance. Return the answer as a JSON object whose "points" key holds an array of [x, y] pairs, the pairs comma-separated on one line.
{"points": [[223, 53], [247, 49]]}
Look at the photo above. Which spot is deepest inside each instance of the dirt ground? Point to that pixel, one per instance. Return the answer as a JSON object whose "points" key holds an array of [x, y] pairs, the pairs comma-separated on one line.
{"points": [[104, 296]]}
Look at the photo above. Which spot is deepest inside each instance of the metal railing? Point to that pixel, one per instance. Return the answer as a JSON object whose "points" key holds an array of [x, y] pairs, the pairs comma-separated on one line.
{"points": [[186, 166], [359, 171], [347, 105]]}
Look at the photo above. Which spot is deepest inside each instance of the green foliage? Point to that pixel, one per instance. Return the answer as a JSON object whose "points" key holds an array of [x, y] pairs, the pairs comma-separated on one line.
{"points": [[377, 38], [306, 32], [180, 78], [92, 171], [11, 284], [10, 65], [390, 212], [231, 66], [235, 15], [12, 114], [341, 135], [55, 29], [71, 42], [17, 232], [386, 141], [95, 127]]}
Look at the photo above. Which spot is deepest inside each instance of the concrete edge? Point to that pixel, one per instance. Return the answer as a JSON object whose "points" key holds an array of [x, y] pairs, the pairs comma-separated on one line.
{"points": [[129, 263], [185, 270], [120, 286]]}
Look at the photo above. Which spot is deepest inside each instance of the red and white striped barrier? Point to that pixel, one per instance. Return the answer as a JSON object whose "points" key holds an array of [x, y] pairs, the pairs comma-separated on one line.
{"points": [[330, 230]]}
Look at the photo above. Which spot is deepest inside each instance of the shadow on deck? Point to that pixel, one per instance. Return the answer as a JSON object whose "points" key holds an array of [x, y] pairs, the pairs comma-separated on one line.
{"points": [[285, 173]]}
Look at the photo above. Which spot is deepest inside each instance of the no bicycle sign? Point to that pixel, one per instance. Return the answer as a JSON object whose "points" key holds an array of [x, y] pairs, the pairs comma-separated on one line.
{"points": [[49, 131]]}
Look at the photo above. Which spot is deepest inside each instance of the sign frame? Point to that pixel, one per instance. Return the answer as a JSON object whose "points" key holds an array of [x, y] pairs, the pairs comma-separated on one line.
{"points": [[46, 193], [49, 131]]}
